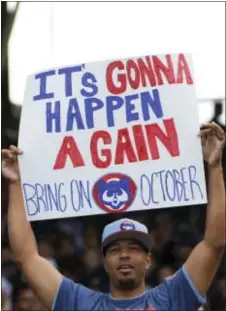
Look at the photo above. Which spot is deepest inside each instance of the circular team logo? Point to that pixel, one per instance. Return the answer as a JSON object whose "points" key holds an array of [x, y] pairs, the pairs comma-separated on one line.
{"points": [[114, 192], [127, 225]]}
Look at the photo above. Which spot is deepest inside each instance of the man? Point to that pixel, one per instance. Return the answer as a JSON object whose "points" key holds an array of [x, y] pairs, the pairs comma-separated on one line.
{"points": [[126, 248]]}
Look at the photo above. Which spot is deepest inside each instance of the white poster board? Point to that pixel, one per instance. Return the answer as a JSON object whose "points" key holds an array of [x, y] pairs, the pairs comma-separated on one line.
{"points": [[111, 136]]}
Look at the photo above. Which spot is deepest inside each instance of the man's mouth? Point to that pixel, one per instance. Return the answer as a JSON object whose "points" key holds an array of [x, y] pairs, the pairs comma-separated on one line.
{"points": [[125, 268]]}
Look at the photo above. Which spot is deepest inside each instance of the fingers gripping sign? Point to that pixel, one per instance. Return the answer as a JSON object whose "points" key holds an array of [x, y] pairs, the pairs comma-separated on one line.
{"points": [[213, 140], [10, 167]]}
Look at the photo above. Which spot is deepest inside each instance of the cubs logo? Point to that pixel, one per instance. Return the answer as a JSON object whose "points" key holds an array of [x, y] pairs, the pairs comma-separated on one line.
{"points": [[127, 225], [114, 192]]}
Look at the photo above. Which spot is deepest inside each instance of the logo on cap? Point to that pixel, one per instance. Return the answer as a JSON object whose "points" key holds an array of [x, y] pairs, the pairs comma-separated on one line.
{"points": [[114, 192], [127, 225]]}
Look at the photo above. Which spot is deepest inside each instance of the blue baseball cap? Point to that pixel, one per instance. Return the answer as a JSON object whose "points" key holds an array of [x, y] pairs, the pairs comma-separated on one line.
{"points": [[126, 229]]}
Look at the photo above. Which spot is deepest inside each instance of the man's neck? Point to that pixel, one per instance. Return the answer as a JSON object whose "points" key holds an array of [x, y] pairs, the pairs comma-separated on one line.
{"points": [[123, 294]]}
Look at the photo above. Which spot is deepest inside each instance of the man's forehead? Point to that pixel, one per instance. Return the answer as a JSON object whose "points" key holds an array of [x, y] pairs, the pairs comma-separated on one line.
{"points": [[125, 241]]}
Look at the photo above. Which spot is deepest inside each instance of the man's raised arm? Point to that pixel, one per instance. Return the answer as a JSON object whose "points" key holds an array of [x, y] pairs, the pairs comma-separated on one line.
{"points": [[203, 262], [43, 278]]}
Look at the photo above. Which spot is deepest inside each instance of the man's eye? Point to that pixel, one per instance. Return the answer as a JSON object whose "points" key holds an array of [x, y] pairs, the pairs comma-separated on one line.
{"points": [[114, 249], [134, 247]]}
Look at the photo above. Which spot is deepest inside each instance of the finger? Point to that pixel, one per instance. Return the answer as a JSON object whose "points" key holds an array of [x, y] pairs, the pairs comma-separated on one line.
{"points": [[203, 141], [205, 126], [218, 129], [6, 153], [204, 132], [213, 126], [15, 150]]}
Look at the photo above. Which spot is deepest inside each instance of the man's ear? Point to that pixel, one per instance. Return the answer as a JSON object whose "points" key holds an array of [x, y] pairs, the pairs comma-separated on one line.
{"points": [[148, 262], [104, 263]]}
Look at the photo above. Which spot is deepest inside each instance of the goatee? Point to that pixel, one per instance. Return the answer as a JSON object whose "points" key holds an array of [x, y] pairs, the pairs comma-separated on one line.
{"points": [[126, 285]]}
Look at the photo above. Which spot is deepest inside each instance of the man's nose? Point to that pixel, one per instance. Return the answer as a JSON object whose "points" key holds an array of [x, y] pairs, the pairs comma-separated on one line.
{"points": [[124, 253]]}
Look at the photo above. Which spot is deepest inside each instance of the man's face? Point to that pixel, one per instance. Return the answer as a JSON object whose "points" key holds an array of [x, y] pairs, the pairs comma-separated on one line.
{"points": [[126, 263]]}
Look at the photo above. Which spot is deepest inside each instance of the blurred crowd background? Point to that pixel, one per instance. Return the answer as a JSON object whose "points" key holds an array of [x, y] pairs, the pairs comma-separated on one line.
{"points": [[73, 245]]}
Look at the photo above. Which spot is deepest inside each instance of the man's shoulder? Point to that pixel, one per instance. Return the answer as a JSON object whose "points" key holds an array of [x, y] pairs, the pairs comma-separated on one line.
{"points": [[73, 295], [82, 291], [160, 293], [153, 291]]}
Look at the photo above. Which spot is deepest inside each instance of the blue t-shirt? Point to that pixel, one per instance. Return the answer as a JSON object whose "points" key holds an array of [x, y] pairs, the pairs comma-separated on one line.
{"points": [[177, 293]]}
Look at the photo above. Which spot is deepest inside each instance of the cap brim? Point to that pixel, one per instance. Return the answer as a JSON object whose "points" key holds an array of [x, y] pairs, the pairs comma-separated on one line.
{"points": [[141, 237]]}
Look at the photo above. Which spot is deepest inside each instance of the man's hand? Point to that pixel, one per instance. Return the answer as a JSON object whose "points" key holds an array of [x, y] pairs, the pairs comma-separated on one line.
{"points": [[10, 168], [213, 140]]}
